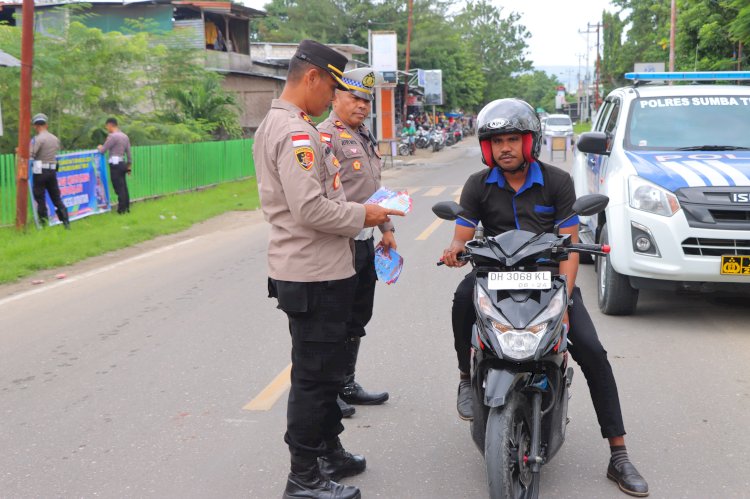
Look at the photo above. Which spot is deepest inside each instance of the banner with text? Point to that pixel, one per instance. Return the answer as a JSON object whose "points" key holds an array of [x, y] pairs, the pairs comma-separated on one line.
{"points": [[84, 186]]}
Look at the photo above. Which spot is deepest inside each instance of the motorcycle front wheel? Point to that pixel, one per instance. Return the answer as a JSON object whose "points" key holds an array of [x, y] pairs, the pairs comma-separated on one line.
{"points": [[507, 444], [403, 149]]}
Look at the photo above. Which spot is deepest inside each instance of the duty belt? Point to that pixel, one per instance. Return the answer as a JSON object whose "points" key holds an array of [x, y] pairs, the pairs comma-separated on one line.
{"points": [[365, 234], [49, 166]]}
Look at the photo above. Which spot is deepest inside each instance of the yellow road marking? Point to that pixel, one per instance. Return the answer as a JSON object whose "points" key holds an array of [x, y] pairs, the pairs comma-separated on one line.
{"points": [[435, 191], [270, 394], [429, 230], [458, 191]]}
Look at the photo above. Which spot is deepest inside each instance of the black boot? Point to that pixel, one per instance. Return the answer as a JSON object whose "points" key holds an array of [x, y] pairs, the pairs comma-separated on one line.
{"points": [[352, 392], [306, 482], [347, 411], [338, 463]]}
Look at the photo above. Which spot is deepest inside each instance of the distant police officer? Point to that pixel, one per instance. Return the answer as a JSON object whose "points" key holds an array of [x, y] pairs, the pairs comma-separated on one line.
{"points": [[44, 149], [356, 148], [311, 269], [120, 163]]}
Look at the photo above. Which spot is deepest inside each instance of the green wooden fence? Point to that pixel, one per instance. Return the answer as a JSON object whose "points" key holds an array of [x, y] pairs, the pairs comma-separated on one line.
{"points": [[158, 170]]}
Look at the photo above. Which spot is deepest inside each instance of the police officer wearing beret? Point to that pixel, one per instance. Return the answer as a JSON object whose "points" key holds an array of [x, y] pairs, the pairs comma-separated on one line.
{"points": [[311, 266], [355, 147], [43, 153]]}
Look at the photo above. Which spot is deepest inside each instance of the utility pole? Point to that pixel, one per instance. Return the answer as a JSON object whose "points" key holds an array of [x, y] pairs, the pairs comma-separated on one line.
{"points": [[672, 26], [592, 28], [24, 114], [408, 60]]}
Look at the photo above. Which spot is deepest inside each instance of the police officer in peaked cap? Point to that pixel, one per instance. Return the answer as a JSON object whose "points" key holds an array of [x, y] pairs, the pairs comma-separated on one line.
{"points": [[43, 153], [311, 266], [345, 132]]}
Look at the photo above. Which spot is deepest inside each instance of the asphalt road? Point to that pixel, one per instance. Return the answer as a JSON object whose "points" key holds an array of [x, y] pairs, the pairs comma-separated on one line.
{"points": [[129, 378]]}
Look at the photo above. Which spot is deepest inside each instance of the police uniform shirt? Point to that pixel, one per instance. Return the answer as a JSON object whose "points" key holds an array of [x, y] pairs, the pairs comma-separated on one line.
{"points": [[546, 198], [44, 147], [361, 165], [303, 199]]}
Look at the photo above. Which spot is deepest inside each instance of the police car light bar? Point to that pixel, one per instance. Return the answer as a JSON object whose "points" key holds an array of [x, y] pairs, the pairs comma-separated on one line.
{"points": [[690, 75]]}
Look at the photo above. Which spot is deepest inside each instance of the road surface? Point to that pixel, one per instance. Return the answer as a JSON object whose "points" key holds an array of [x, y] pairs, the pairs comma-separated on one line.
{"points": [[133, 376]]}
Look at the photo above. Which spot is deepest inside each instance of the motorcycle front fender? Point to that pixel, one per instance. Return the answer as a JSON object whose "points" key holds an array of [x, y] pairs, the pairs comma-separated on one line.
{"points": [[500, 383]]}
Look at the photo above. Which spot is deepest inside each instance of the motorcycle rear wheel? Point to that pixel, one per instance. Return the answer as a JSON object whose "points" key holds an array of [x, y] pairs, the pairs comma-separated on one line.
{"points": [[507, 443]]}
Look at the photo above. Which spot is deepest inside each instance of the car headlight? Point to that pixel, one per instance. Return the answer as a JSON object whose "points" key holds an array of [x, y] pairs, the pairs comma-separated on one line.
{"points": [[649, 197], [519, 344]]}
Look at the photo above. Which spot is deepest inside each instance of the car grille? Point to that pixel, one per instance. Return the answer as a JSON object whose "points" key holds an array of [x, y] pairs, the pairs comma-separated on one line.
{"points": [[715, 247], [712, 208]]}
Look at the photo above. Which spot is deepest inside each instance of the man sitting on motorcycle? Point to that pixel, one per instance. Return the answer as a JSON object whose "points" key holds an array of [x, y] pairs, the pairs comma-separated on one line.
{"points": [[410, 132], [520, 192]]}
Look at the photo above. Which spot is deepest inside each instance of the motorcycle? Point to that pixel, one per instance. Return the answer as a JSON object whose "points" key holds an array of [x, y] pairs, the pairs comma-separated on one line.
{"points": [[423, 138], [406, 146], [437, 139], [520, 377]]}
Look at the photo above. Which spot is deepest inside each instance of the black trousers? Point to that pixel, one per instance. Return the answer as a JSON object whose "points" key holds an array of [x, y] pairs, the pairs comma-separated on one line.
{"points": [[585, 348], [118, 173], [364, 296], [318, 313], [47, 181]]}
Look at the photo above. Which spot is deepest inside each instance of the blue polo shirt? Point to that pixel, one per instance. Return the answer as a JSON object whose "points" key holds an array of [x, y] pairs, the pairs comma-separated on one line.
{"points": [[545, 198]]}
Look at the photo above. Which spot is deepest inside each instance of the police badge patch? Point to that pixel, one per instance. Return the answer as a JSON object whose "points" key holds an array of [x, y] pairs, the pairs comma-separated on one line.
{"points": [[305, 157], [357, 165]]}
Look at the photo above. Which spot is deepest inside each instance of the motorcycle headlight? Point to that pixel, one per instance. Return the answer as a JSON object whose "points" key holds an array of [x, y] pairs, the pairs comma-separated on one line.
{"points": [[649, 197], [519, 344]]}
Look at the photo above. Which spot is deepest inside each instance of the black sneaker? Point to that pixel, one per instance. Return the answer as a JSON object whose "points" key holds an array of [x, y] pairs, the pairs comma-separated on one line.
{"points": [[464, 403]]}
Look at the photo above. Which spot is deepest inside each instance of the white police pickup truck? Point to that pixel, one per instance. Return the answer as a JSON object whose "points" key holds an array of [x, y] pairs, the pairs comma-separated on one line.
{"points": [[675, 163]]}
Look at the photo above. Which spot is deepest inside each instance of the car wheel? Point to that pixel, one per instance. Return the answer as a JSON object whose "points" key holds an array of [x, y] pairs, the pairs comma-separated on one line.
{"points": [[616, 295]]}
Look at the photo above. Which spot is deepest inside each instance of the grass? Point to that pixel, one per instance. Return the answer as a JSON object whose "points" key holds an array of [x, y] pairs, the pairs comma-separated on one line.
{"points": [[23, 253], [580, 128]]}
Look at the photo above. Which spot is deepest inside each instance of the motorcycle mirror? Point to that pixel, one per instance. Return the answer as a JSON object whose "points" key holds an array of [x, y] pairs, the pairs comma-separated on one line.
{"points": [[449, 210], [590, 204]]}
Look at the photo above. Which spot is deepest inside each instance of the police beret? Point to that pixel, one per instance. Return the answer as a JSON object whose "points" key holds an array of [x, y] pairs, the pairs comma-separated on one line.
{"points": [[362, 82], [325, 58]]}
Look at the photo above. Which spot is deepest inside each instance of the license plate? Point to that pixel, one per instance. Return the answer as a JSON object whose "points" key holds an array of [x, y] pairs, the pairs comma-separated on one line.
{"points": [[735, 265], [519, 280]]}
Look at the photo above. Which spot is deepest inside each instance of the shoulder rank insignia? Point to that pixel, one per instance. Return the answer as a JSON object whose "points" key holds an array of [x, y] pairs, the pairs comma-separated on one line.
{"points": [[305, 117], [338, 124], [345, 135], [357, 165]]}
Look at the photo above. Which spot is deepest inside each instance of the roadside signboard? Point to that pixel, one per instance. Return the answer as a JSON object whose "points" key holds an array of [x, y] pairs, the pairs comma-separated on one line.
{"points": [[433, 87], [84, 186]]}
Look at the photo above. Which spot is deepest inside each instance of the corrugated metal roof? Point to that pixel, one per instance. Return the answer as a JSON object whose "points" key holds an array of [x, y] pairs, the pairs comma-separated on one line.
{"points": [[223, 8]]}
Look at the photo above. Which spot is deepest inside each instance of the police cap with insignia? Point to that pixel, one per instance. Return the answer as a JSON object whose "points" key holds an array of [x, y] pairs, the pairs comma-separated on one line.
{"points": [[325, 58], [361, 82], [39, 119]]}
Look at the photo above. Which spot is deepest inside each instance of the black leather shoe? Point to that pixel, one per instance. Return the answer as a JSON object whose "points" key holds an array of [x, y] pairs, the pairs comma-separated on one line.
{"points": [[464, 404], [353, 393], [341, 464], [628, 479], [313, 486], [347, 411]]}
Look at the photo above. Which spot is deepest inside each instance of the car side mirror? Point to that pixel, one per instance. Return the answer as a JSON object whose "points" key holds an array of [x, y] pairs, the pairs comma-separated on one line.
{"points": [[590, 204], [594, 143]]}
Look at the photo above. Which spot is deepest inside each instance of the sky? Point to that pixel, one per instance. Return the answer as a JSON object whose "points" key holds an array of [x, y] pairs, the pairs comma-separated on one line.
{"points": [[553, 25]]}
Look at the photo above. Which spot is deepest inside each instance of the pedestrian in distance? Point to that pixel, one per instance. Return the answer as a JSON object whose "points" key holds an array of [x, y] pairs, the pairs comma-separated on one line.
{"points": [[345, 133], [518, 191], [43, 153], [120, 163], [311, 269]]}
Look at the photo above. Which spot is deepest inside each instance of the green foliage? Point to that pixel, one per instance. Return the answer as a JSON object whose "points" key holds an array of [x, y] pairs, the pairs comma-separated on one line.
{"points": [[479, 48], [705, 40], [82, 76]]}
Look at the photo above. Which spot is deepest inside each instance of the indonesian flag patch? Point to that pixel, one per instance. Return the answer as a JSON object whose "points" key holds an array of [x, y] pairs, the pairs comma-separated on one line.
{"points": [[325, 137], [300, 140]]}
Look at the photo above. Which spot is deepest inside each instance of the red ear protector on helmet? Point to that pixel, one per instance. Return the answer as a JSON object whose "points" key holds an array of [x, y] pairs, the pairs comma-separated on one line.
{"points": [[527, 147]]}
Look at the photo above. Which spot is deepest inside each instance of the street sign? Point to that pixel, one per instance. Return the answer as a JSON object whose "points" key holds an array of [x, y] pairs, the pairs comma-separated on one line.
{"points": [[433, 87], [384, 51]]}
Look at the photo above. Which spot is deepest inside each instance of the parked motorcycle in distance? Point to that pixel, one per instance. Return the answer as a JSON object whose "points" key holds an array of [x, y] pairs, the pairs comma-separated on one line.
{"points": [[437, 139], [423, 137], [519, 375], [406, 146]]}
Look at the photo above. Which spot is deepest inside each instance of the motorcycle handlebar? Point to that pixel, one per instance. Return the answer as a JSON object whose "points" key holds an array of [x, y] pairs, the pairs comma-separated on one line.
{"points": [[599, 249], [463, 257]]}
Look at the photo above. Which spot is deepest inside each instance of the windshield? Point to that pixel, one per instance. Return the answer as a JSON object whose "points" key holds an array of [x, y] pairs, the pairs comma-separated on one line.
{"points": [[558, 122], [669, 123]]}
